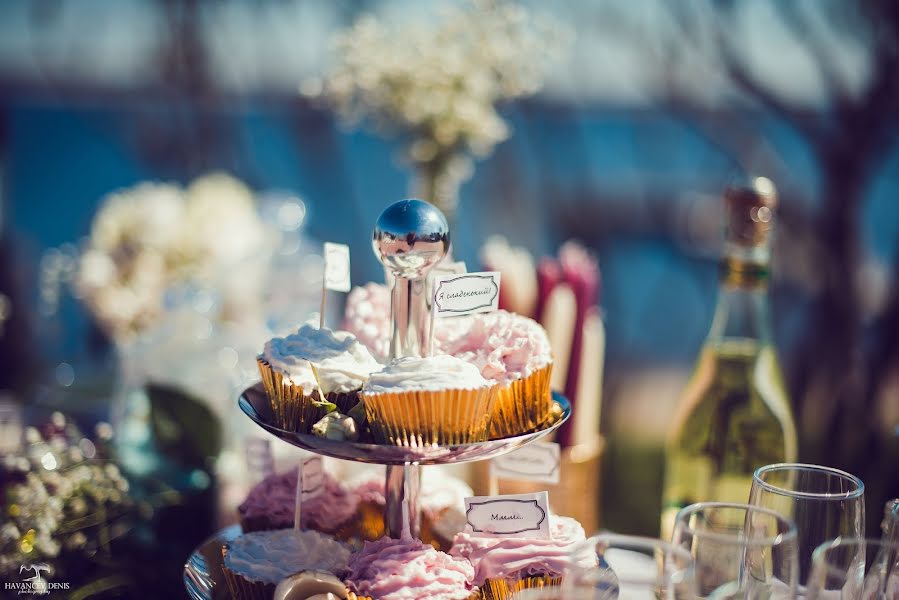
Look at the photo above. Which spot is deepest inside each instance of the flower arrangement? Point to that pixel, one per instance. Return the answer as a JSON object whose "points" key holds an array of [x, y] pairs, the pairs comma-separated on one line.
{"points": [[438, 84], [149, 238], [54, 492]]}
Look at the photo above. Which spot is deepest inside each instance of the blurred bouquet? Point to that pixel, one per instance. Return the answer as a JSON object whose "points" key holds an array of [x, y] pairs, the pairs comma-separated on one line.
{"points": [[437, 84], [188, 283], [61, 499], [151, 238]]}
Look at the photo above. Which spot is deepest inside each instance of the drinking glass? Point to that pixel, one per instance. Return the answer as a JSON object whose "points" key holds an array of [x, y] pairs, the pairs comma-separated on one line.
{"points": [[838, 570], [823, 502], [738, 550], [628, 568]]}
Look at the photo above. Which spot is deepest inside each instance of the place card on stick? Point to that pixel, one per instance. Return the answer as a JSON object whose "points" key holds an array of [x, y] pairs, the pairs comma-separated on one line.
{"points": [[511, 515], [337, 273], [310, 483], [455, 295]]}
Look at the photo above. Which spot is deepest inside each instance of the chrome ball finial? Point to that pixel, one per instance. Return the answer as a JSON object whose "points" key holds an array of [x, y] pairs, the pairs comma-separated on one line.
{"points": [[410, 237]]}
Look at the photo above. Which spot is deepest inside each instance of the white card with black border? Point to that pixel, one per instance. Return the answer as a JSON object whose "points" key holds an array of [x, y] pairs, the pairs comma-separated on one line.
{"points": [[511, 515]]}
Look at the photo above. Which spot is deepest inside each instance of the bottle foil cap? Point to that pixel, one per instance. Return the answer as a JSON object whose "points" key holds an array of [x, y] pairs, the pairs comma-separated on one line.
{"points": [[750, 211]]}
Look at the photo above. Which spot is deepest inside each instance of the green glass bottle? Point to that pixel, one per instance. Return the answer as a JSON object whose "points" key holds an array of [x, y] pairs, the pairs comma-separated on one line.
{"points": [[734, 415]]}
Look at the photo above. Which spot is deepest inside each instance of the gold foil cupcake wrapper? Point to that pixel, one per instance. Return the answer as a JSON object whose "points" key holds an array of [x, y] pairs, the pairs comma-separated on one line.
{"points": [[294, 410], [500, 589], [522, 405], [430, 418], [245, 589]]}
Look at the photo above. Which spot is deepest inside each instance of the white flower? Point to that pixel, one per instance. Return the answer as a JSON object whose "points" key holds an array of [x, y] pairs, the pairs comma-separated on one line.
{"points": [[149, 239], [438, 84]]}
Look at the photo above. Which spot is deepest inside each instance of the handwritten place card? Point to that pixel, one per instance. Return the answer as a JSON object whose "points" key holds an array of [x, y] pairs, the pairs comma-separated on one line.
{"points": [[337, 267], [466, 294], [312, 476], [512, 515], [539, 461]]}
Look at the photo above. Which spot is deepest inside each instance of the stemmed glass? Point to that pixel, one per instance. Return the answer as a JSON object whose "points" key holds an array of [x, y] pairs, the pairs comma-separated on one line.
{"points": [[838, 570], [629, 568], [823, 502], [738, 550]]}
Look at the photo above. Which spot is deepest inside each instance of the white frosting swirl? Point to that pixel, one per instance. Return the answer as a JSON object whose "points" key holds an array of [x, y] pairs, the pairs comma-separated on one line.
{"points": [[341, 363], [432, 373], [270, 556]]}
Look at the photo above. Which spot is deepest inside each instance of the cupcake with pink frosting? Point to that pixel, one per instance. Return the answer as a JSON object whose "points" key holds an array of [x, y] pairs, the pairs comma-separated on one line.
{"points": [[513, 351], [408, 569], [504, 566], [271, 505]]}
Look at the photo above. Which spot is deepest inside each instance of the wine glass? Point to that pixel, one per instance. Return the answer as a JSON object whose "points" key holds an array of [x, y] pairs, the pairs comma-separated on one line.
{"points": [[738, 550], [823, 502], [628, 568], [838, 570]]}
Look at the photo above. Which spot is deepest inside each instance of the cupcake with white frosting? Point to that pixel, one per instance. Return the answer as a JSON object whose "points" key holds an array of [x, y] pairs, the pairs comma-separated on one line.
{"points": [[432, 401], [307, 373], [255, 563]]}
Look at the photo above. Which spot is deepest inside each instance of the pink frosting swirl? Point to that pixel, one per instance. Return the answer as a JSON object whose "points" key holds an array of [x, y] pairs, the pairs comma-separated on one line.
{"points": [[503, 345], [273, 500], [407, 569], [516, 558]]}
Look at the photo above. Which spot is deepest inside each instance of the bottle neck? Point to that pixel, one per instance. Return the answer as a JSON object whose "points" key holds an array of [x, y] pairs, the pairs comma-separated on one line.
{"points": [[742, 310]]}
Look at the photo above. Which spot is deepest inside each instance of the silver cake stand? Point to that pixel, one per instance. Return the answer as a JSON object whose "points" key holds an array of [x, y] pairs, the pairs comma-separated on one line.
{"points": [[409, 238]]}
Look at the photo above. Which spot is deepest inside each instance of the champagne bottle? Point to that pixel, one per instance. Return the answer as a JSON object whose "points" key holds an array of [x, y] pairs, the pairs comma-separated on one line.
{"points": [[734, 415]]}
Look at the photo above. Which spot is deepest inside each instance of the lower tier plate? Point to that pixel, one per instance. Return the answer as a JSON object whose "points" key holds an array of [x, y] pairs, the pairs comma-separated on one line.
{"points": [[203, 576]]}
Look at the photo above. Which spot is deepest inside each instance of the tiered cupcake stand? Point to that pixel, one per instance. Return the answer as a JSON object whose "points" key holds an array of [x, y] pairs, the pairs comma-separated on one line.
{"points": [[409, 238], [202, 572]]}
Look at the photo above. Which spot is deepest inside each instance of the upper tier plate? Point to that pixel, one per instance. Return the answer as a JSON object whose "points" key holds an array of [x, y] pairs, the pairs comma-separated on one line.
{"points": [[254, 403]]}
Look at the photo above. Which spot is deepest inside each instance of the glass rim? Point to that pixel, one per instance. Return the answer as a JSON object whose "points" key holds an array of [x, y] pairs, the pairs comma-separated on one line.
{"points": [[638, 543], [819, 555], [850, 495], [777, 540]]}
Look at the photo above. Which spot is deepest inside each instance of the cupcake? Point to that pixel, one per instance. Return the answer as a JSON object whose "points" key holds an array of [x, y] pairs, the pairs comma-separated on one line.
{"points": [[306, 370], [505, 566], [442, 498], [270, 505], [255, 563], [431, 401], [407, 569], [513, 351]]}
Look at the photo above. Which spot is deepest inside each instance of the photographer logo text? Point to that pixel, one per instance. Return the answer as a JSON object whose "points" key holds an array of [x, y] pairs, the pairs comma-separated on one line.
{"points": [[36, 584]]}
